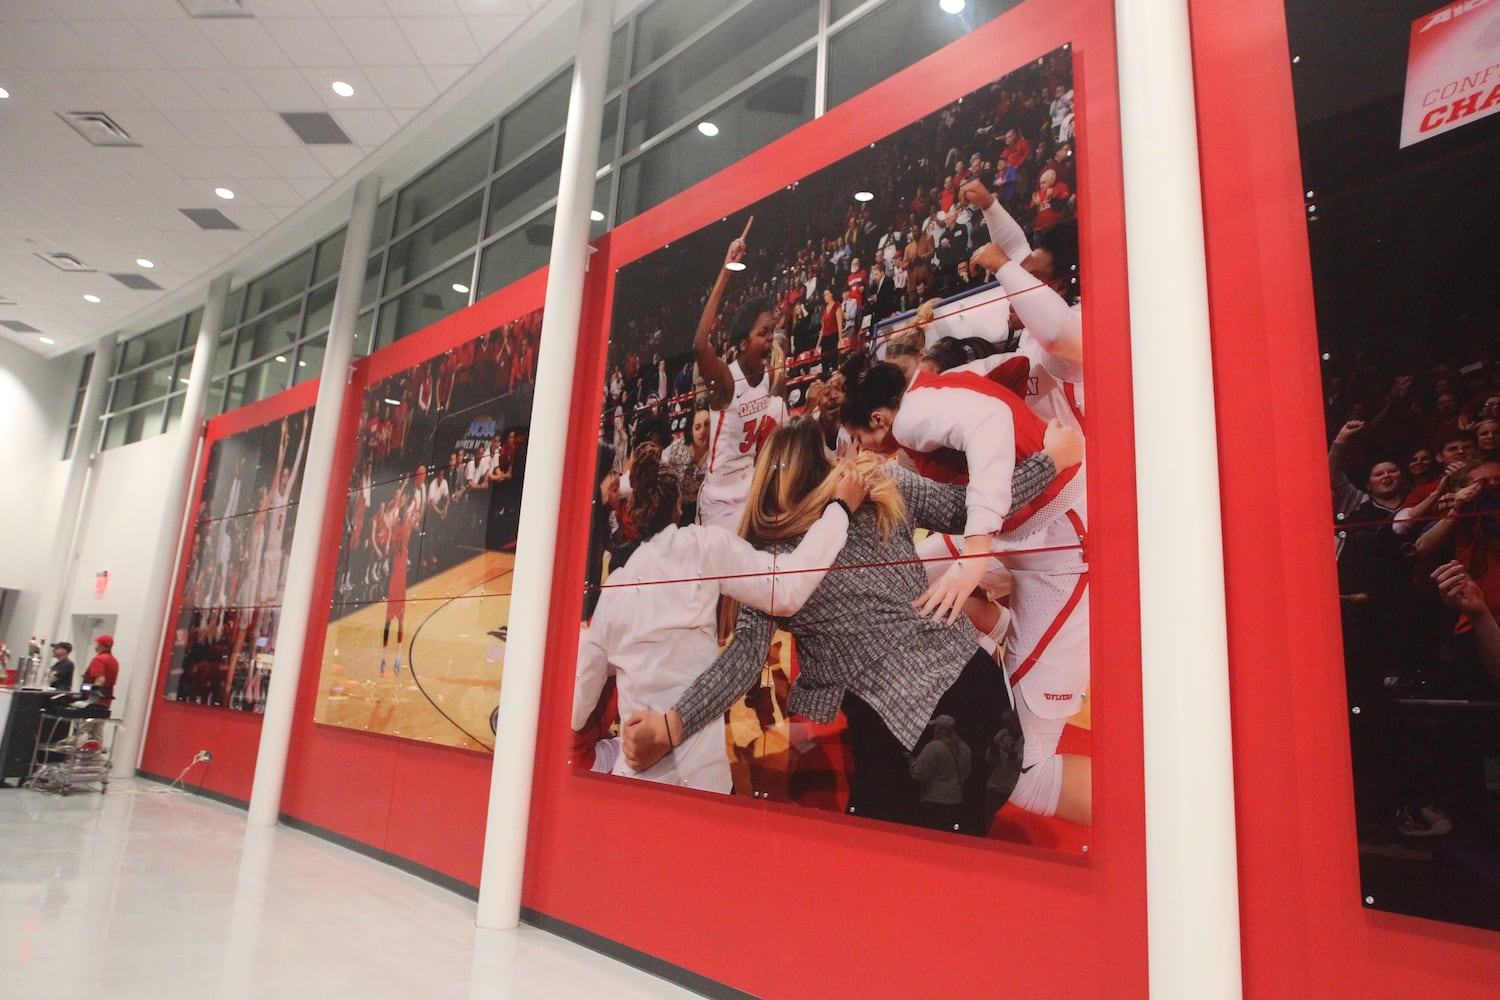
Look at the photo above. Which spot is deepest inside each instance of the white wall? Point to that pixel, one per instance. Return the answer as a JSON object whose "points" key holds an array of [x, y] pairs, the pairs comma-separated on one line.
{"points": [[120, 522], [36, 396]]}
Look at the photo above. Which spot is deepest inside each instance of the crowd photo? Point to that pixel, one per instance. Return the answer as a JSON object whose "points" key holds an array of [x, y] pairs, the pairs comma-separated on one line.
{"points": [[838, 551], [416, 636], [224, 638], [1414, 463]]}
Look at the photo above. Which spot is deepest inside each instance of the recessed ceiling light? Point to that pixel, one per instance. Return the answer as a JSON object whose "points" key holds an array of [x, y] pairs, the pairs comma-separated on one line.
{"points": [[461, 288], [281, 358], [342, 89], [143, 262], [951, 6], [302, 364], [708, 128], [92, 298], [224, 193], [47, 340], [4, 93], [735, 265], [863, 196], [596, 216]]}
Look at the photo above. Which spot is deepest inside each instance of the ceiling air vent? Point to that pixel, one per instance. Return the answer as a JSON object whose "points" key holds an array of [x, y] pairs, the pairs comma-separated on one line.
{"points": [[209, 218], [65, 261], [16, 326], [215, 8], [315, 128], [139, 282], [98, 128]]}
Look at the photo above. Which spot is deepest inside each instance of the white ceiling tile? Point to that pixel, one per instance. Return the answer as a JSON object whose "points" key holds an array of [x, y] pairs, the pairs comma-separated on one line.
{"points": [[309, 187], [374, 41], [282, 89], [422, 8], [483, 7], [402, 86], [206, 128], [243, 41], [262, 129], [48, 10], [198, 164], [367, 128], [48, 44], [165, 89], [491, 31], [182, 44], [404, 115], [119, 45], [294, 162], [239, 162], [309, 41], [222, 89], [271, 192], [338, 160], [139, 10], [252, 218], [154, 129], [142, 163], [439, 39], [64, 89], [444, 77], [352, 8]]}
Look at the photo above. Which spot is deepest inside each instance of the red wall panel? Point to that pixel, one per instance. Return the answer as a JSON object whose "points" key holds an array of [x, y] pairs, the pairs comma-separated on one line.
{"points": [[177, 731], [777, 901], [1304, 930], [422, 802]]}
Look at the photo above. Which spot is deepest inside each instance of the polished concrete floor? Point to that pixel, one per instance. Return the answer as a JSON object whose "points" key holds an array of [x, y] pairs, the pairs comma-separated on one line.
{"points": [[145, 893]]}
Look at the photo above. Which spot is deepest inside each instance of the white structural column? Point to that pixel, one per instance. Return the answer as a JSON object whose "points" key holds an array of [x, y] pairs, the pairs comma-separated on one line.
{"points": [[530, 603], [1191, 885], [49, 618], [127, 752], [307, 535]]}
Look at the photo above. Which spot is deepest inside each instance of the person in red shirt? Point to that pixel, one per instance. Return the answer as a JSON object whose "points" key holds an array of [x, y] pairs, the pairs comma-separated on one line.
{"points": [[103, 669]]}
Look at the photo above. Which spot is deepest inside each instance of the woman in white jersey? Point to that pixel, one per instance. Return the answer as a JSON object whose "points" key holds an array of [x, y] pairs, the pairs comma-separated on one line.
{"points": [[743, 398]]}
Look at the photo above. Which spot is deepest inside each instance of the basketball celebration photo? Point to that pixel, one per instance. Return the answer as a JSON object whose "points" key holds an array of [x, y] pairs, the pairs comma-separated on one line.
{"points": [[838, 554], [416, 639], [224, 641]]}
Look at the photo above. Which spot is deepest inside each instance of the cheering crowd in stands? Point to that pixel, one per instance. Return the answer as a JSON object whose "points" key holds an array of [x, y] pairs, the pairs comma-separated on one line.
{"points": [[846, 265], [1415, 467]]}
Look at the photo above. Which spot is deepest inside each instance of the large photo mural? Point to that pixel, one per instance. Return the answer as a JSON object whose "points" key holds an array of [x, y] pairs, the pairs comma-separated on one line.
{"points": [[839, 511], [223, 643], [415, 646]]}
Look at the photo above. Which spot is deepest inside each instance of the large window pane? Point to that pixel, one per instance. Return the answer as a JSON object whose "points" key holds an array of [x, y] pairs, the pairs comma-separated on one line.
{"points": [[839, 8], [516, 255], [370, 290], [234, 306], [731, 53], [191, 327], [608, 131], [269, 334], [535, 118], [156, 344], [665, 24], [330, 254], [319, 312], [463, 168], [617, 54], [223, 358], [215, 404], [888, 40], [277, 286], [525, 186], [453, 232], [150, 383], [256, 383], [174, 411], [384, 212], [134, 425], [751, 121], [419, 307], [364, 334], [310, 360]]}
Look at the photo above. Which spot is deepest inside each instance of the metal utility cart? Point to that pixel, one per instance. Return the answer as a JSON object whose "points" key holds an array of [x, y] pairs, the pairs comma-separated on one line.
{"points": [[71, 753]]}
